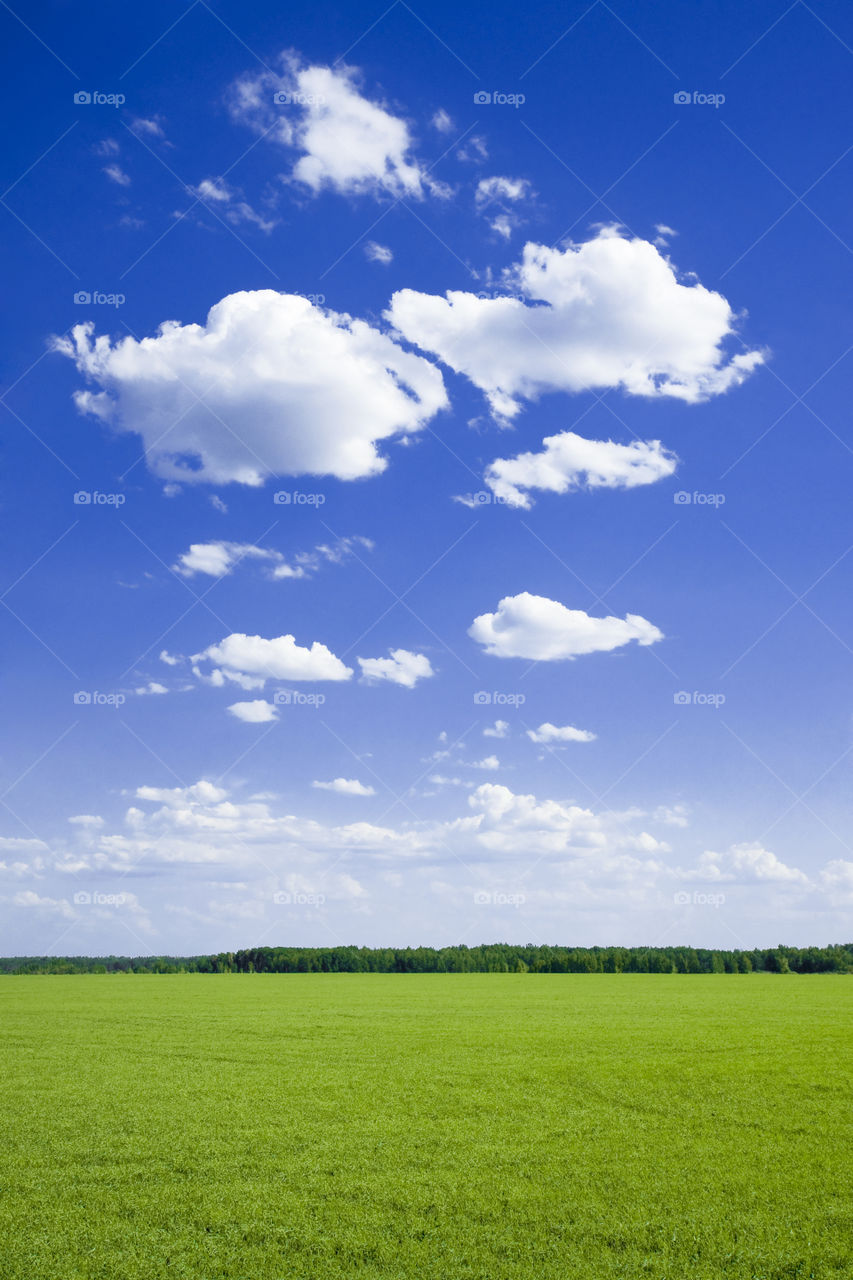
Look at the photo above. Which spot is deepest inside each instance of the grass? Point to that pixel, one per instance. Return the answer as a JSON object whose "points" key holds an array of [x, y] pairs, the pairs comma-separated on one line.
{"points": [[426, 1127]]}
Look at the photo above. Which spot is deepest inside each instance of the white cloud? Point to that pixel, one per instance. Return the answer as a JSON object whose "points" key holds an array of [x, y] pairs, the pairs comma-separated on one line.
{"points": [[215, 191], [217, 559], [349, 143], [607, 313], [543, 630], [569, 462], [488, 762], [90, 820], [346, 787], [490, 190], [504, 225], [442, 121], [378, 253], [252, 660], [500, 729], [746, 862], [150, 127], [403, 667], [153, 686], [548, 733], [116, 174], [229, 400], [257, 712]]}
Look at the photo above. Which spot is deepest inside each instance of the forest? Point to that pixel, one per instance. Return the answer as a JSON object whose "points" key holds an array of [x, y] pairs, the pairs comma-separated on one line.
{"points": [[489, 958]]}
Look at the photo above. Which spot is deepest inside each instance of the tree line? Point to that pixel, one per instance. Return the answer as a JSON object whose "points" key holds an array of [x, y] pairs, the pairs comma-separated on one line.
{"points": [[491, 958]]}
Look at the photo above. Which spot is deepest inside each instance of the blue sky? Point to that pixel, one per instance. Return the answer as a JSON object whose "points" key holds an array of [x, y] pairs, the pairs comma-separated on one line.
{"points": [[540, 325]]}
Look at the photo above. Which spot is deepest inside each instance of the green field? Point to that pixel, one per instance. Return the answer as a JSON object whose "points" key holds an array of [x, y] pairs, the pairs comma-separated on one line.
{"points": [[426, 1127]]}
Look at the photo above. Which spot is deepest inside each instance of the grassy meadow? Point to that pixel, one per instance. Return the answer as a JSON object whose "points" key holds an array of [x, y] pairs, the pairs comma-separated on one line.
{"points": [[426, 1127]]}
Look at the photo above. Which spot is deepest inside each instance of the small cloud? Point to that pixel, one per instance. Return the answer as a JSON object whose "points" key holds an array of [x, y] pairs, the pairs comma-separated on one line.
{"points": [[257, 712], [378, 253], [90, 820], [442, 121], [475, 151], [345, 787], [169, 659], [402, 668], [151, 687], [150, 128], [117, 174], [548, 733], [106, 147], [500, 729], [217, 503], [488, 762]]}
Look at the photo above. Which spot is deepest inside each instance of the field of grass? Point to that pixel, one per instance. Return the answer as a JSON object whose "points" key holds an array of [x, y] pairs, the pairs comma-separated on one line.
{"points": [[426, 1127]]}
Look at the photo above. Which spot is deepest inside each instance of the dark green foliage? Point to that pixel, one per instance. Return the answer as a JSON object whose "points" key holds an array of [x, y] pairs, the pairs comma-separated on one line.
{"points": [[495, 957]]}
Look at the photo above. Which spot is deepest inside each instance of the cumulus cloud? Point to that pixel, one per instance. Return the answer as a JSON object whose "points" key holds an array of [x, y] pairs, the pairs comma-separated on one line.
{"points": [[250, 661], [489, 763], [442, 121], [271, 384], [348, 142], [217, 559], [402, 667], [500, 729], [345, 787], [153, 686], [378, 253], [610, 312], [256, 712], [543, 630], [569, 462], [492, 189], [747, 862], [548, 733]]}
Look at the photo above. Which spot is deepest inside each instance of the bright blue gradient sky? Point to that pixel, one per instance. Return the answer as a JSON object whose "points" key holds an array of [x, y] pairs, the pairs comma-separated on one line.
{"points": [[163, 820]]}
